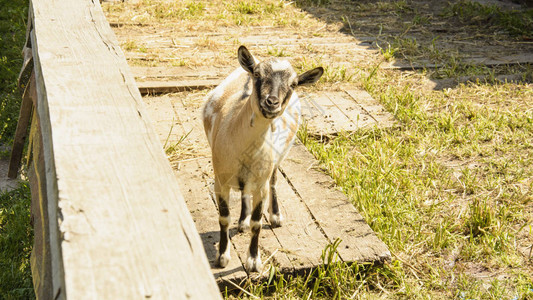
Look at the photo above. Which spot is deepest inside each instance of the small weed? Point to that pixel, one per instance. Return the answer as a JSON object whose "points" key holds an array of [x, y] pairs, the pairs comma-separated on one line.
{"points": [[481, 219], [247, 8], [180, 62], [332, 74], [175, 148], [129, 45], [276, 51], [407, 47], [420, 20], [254, 7], [143, 49], [444, 235], [195, 8], [304, 3], [388, 53]]}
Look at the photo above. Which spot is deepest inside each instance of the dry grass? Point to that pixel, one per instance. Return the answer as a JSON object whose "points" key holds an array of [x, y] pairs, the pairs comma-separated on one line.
{"points": [[449, 190]]}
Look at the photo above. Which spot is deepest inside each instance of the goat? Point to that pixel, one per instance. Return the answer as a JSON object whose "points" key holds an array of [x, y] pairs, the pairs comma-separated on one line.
{"points": [[251, 120]]}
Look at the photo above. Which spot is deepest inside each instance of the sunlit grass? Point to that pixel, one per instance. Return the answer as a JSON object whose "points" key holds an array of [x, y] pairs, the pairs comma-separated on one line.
{"points": [[15, 227], [449, 189], [16, 239]]}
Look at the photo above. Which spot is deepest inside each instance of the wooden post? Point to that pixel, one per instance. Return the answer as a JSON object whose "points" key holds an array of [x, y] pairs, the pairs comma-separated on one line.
{"points": [[22, 130], [110, 221]]}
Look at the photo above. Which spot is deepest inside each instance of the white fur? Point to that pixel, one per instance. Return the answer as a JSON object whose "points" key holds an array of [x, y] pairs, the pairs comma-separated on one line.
{"points": [[247, 146], [280, 65]]}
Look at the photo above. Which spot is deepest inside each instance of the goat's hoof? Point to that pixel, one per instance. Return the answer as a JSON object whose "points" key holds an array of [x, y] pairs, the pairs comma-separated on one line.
{"points": [[275, 220], [244, 226], [253, 264], [223, 260]]}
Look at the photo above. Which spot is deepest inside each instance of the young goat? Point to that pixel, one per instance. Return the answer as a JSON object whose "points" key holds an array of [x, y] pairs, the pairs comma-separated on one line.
{"points": [[251, 120]]}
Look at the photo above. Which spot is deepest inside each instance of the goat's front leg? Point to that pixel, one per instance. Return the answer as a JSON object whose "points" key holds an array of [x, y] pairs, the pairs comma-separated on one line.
{"points": [[222, 194], [253, 262], [273, 208], [244, 219]]}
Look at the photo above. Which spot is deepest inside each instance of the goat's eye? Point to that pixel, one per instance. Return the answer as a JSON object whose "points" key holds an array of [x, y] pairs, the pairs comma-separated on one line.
{"points": [[256, 74], [293, 85]]}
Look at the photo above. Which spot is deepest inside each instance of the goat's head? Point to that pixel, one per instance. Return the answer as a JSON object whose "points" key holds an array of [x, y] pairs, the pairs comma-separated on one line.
{"points": [[274, 81]]}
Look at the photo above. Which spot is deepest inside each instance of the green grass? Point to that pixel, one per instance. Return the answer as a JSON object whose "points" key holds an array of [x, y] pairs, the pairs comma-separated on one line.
{"points": [[16, 235], [515, 22], [449, 190], [243, 12], [12, 36], [16, 239]]}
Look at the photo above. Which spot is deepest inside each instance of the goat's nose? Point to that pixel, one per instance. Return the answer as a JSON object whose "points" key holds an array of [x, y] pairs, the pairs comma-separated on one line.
{"points": [[272, 101]]}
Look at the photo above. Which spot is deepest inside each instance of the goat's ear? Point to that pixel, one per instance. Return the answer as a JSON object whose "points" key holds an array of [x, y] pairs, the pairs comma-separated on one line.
{"points": [[246, 59], [310, 76]]}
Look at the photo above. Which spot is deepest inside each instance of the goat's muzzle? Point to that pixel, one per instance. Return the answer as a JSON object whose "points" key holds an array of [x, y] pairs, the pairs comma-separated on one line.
{"points": [[271, 108]]}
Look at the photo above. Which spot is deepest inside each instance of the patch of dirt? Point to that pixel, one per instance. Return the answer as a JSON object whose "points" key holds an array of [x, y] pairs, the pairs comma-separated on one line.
{"points": [[6, 184]]}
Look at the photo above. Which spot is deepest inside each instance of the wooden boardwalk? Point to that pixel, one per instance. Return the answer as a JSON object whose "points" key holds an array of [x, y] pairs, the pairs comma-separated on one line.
{"points": [[315, 211]]}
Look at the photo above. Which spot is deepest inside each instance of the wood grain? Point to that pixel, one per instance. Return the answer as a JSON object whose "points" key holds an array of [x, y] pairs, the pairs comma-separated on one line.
{"points": [[330, 208], [174, 86], [119, 226], [19, 140]]}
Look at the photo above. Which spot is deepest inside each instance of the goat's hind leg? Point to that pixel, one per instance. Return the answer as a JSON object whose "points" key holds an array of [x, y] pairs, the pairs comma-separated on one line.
{"points": [[273, 209], [222, 194]]}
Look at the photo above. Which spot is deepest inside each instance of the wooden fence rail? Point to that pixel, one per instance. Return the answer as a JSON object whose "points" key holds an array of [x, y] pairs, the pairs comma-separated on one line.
{"points": [[109, 219]]}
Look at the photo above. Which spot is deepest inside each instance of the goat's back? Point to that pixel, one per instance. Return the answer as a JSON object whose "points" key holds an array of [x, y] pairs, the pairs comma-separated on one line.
{"points": [[226, 99]]}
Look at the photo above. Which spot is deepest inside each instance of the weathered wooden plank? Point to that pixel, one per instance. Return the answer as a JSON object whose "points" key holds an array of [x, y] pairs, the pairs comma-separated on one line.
{"points": [[315, 116], [333, 115], [125, 231], [40, 259], [332, 112], [204, 213], [513, 59], [279, 40], [19, 140], [47, 184], [377, 112], [300, 235], [161, 87], [356, 113], [196, 191], [305, 233], [185, 73], [330, 208], [161, 111]]}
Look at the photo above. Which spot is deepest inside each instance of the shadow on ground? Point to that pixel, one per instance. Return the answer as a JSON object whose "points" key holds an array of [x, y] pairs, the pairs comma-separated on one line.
{"points": [[456, 41]]}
